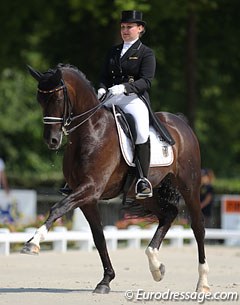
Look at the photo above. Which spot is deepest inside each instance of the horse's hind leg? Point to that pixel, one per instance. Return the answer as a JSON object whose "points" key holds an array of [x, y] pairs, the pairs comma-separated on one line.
{"points": [[166, 214], [197, 225], [156, 267]]}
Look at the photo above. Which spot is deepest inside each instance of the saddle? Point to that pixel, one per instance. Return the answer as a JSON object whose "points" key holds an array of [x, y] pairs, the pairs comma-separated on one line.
{"points": [[161, 151], [127, 123]]}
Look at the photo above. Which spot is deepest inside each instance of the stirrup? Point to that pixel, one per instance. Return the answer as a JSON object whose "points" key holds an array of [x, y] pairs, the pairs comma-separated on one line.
{"points": [[141, 195]]}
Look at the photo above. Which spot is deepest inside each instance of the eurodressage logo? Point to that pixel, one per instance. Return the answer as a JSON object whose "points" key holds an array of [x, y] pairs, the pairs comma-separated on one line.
{"points": [[200, 297]]}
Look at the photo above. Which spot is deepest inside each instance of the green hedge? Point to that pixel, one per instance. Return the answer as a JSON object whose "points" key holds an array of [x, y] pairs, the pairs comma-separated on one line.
{"points": [[227, 186]]}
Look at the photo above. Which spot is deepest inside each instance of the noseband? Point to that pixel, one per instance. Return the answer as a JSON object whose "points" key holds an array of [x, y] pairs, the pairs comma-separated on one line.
{"points": [[68, 117]]}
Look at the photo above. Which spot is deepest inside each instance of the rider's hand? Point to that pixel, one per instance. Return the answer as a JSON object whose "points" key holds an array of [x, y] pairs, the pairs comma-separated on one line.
{"points": [[101, 92], [117, 89]]}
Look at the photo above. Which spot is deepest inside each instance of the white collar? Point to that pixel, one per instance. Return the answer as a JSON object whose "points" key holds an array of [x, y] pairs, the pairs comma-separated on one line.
{"points": [[129, 44], [126, 46]]}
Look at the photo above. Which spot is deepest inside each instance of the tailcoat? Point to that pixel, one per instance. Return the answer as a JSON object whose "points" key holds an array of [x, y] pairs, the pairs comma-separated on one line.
{"points": [[135, 69]]}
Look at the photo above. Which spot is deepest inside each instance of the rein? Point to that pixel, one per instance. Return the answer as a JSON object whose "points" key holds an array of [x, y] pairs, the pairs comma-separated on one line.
{"points": [[73, 118], [68, 117]]}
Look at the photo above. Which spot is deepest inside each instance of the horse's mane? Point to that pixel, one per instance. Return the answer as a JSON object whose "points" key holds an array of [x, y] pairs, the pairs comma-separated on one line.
{"points": [[183, 117], [74, 68]]}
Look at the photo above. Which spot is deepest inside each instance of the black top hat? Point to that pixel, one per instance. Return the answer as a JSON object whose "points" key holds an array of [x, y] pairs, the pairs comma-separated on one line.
{"points": [[132, 17]]}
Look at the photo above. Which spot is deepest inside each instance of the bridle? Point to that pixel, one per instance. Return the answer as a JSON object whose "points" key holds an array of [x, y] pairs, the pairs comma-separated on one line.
{"points": [[68, 117], [49, 120]]}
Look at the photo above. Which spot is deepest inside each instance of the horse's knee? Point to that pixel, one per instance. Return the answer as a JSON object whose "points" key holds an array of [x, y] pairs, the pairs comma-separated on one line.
{"points": [[156, 267]]}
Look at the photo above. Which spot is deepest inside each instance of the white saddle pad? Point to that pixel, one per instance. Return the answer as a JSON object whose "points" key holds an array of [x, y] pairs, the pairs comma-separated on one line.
{"points": [[161, 152]]}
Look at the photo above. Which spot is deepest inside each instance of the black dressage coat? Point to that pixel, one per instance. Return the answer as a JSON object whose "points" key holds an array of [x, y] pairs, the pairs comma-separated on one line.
{"points": [[136, 69]]}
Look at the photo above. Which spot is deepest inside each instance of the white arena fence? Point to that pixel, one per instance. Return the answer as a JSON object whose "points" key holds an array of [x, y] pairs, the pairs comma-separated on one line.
{"points": [[133, 236]]}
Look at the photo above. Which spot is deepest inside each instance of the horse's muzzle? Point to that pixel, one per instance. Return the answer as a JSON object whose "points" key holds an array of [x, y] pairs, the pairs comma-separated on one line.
{"points": [[53, 139]]}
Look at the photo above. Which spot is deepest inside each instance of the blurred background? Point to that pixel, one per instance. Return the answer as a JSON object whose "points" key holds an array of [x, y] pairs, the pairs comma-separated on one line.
{"points": [[196, 43]]}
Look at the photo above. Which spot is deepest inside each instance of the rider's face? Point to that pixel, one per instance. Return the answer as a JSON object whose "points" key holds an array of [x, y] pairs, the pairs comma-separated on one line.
{"points": [[130, 31]]}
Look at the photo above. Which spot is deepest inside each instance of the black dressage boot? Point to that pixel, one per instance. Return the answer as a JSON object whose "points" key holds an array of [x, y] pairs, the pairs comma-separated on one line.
{"points": [[143, 187]]}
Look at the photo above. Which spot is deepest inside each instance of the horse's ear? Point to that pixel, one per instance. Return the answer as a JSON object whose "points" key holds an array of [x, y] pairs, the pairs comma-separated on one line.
{"points": [[57, 76], [35, 74]]}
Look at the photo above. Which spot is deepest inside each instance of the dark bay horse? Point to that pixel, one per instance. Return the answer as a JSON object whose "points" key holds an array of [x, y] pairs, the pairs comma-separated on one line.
{"points": [[94, 167]]}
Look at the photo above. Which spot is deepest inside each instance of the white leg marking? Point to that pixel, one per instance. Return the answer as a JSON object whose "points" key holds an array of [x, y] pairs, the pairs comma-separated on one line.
{"points": [[39, 235], [202, 285], [155, 265]]}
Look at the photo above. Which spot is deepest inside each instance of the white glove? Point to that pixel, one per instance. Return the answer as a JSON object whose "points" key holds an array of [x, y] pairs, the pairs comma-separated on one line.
{"points": [[101, 92], [117, 89]]}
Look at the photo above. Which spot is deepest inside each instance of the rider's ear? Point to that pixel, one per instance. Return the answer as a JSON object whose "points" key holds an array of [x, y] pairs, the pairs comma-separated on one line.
{"points": [[35, 74]]}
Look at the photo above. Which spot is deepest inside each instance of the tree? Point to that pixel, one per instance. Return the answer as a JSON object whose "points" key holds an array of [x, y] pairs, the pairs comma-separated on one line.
{"points": [[43, 33]]}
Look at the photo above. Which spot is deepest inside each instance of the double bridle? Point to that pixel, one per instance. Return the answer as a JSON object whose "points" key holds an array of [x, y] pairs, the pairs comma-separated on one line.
{"points": [[68, 117]]}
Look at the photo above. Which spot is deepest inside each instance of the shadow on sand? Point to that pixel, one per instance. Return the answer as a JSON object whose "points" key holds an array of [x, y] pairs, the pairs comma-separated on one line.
{"points": [[47, 290]]}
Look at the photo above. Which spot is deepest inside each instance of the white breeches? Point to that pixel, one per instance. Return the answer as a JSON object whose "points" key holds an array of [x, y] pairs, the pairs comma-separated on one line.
{"points": [[135, 106]]}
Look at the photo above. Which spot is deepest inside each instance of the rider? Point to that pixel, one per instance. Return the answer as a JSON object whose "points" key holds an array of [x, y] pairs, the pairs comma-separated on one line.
{"points": [[127, 74]]}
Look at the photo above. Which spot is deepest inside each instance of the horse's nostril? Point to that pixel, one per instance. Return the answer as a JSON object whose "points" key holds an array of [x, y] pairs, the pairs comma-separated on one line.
{"points": [[54, 141]]}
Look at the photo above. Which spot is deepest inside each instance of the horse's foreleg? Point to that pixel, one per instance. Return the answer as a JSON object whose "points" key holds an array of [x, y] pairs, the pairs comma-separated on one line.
{"points": [[32, 246], [156, 267], [92, 215], [197, 224]]}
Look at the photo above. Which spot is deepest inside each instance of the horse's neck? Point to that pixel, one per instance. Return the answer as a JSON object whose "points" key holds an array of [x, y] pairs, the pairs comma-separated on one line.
{"points": [[85, 100], [80, 92], [96, 126]]}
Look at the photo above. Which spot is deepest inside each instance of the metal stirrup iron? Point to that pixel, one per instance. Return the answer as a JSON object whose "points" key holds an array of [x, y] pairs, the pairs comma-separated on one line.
{"points": [[143, 195]]}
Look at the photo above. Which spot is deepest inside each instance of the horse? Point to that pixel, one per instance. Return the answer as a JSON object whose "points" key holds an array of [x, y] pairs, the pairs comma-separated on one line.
{"points": [[94, 168]]}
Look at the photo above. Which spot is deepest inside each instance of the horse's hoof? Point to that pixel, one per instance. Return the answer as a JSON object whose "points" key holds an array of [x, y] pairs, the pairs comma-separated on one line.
{"points": [[162, 270], [203, 289], [31, 249], [102, 289], [158, 274]]}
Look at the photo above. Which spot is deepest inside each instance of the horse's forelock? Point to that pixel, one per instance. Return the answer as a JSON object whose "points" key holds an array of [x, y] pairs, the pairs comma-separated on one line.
{"points": [[49, 80]]}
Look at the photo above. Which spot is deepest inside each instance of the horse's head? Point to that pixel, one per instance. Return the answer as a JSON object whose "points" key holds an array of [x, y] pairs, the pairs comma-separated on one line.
{"points": [[53, 98]]}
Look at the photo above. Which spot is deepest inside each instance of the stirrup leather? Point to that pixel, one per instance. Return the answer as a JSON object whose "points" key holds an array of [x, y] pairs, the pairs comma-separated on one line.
{"points": [[143, 195]]}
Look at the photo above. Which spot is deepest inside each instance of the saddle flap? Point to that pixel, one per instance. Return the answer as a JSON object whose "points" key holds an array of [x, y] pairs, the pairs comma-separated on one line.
{"points": [[161, 151], [127, 123]]}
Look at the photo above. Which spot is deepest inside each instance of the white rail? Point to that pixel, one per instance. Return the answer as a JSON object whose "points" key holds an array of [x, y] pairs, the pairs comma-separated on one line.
{"points": [[133, 237]]}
